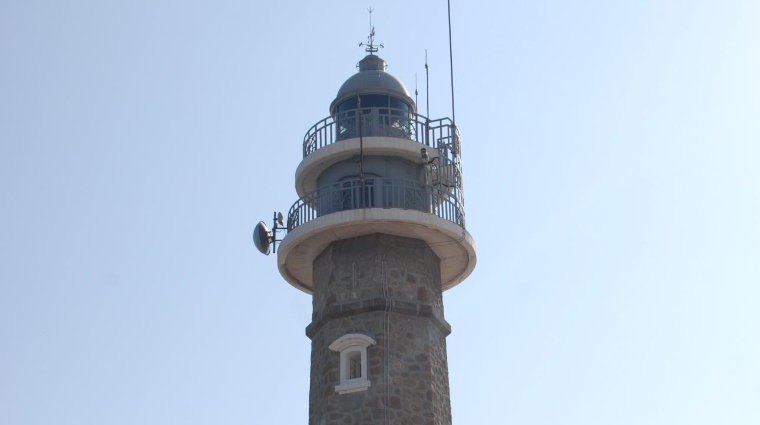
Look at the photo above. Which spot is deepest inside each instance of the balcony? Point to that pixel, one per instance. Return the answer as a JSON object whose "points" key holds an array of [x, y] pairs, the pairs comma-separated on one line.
{"points": [[385, 132], [429, 209], [433, 213], [382, 193], [384, 122]]}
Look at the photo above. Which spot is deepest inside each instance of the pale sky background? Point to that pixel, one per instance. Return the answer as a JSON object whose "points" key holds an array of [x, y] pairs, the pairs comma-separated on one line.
{"points": [[611, 153]]}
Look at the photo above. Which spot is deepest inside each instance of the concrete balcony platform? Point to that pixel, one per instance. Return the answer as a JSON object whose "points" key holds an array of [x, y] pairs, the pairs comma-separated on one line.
{"points": [[312, 166], [453, 245]]}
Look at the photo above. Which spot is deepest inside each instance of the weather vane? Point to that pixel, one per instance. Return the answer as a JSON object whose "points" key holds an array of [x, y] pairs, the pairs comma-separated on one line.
{"points": [[371, 47]]}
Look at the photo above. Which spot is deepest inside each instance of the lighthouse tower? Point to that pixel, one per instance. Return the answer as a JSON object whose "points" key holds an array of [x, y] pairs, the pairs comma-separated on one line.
{"points": [[376, 236]]}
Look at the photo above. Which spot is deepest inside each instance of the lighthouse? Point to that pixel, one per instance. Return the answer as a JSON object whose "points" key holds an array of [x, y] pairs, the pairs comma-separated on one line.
{"points": [[377, 234]]}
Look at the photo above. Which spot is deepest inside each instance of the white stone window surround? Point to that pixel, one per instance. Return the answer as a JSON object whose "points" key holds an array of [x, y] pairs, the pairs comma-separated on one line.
{"points": [[351, 347]]}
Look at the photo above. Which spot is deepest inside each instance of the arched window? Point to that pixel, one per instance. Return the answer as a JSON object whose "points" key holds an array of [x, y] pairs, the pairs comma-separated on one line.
{"points": [[353, 362]]}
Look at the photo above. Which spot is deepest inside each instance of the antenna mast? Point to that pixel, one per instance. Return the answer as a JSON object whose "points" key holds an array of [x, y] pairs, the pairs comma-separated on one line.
{"points": [[451, 64], [415, 89], [427, 85]]}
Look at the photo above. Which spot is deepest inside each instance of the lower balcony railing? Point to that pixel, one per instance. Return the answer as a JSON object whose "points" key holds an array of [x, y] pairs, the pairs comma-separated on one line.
{"points": [[378, 192]]}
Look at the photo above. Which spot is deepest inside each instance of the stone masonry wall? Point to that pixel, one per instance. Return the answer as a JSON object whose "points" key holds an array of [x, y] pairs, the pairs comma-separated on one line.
{"points": [[352, 269], [407, 369]]}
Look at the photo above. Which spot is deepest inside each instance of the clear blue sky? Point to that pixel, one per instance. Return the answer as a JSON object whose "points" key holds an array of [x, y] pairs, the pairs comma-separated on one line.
{"points": [[611, 154]]}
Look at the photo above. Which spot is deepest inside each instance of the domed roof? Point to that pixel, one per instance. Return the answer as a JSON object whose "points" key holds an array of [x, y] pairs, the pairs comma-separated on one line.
{"points": [[372, 79]]}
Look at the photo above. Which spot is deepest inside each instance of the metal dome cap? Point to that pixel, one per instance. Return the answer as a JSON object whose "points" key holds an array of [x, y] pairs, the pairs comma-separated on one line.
{"points": [[372, 79]]}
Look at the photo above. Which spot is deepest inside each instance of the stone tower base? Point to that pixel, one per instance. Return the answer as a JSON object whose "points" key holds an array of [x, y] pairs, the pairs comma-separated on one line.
{"points": [[386, 289]]}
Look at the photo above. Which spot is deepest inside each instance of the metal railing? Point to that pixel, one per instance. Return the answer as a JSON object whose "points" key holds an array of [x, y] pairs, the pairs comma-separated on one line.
{"points": [[439, 133], [377, 193]]}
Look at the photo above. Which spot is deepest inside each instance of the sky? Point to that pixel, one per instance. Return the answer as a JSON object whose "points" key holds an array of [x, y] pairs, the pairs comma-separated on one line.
{"points": [[610, 157]]}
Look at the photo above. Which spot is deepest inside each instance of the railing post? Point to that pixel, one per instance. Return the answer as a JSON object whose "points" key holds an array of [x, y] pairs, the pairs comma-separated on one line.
{"points": [[427, 131]]}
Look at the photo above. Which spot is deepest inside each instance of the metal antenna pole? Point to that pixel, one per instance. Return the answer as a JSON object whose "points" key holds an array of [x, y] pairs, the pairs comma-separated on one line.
{"points": [[415, 89], [451, 64], [274, 233], [427, 85]]}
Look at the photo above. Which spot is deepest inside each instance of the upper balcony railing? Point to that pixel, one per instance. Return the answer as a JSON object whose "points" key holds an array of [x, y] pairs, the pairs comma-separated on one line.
{"points": [[377, 192], [389, 122]]}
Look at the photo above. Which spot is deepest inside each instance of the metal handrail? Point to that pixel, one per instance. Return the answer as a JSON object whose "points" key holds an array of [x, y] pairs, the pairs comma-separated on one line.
{"points": [[389, 122], [377, 193]]}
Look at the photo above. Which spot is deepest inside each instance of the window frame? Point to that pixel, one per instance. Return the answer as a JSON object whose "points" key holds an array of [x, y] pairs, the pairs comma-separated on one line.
{"points": [[348, 345]]}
